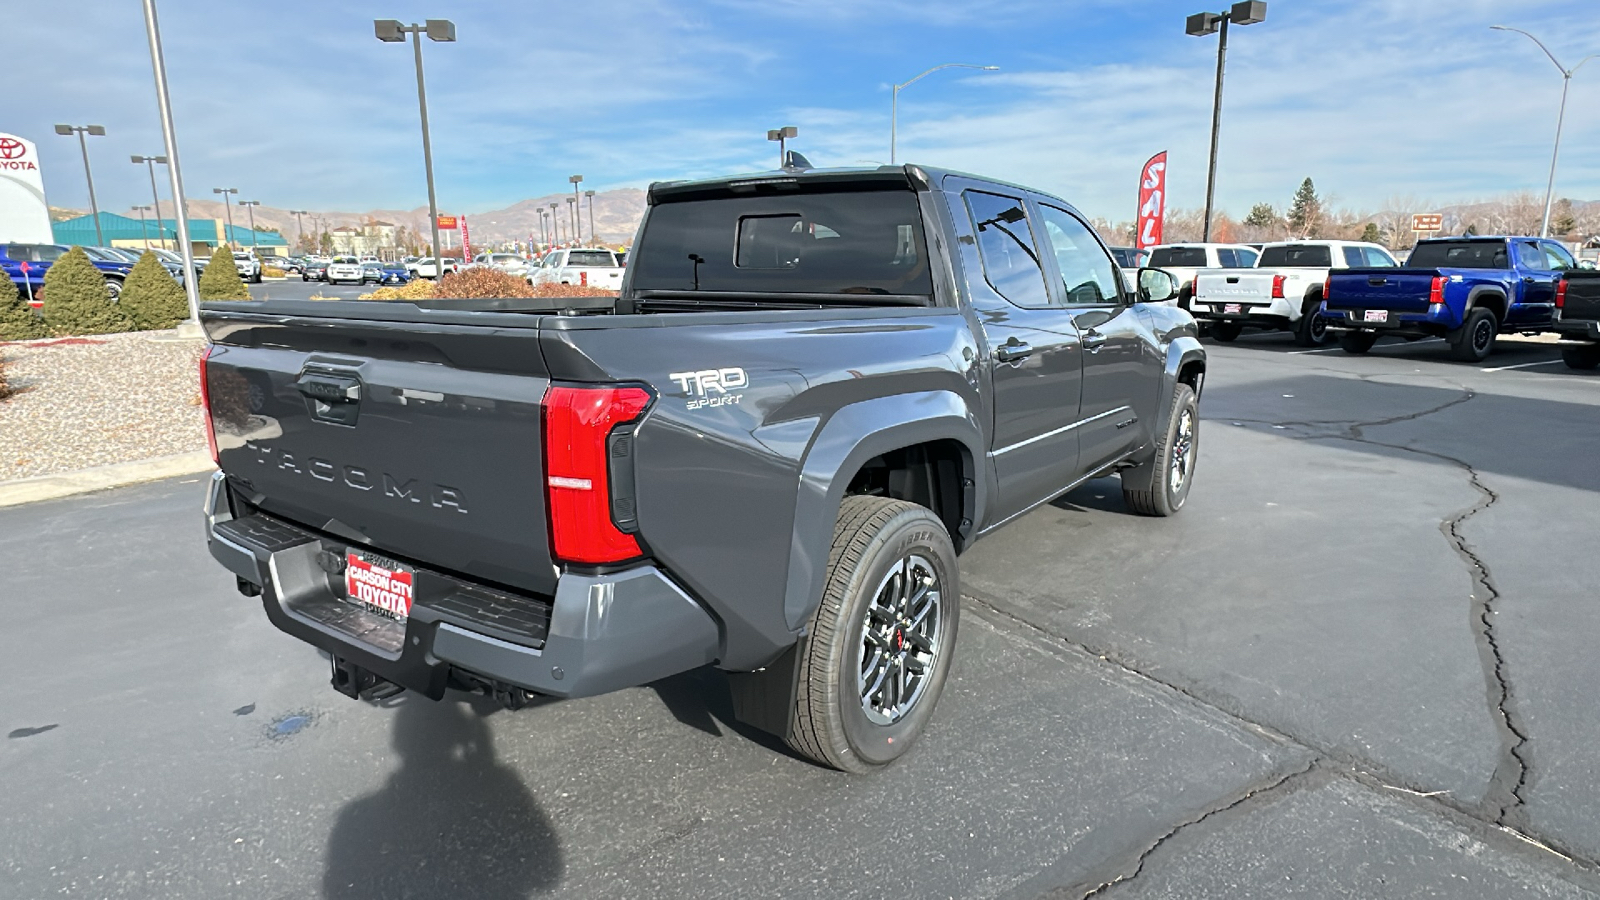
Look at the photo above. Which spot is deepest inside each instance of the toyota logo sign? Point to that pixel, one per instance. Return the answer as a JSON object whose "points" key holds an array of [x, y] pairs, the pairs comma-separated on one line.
{"points": [[11, 148]]}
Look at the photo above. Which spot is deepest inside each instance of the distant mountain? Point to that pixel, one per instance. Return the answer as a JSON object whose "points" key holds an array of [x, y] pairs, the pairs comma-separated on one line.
{"points": [[62, 213]]}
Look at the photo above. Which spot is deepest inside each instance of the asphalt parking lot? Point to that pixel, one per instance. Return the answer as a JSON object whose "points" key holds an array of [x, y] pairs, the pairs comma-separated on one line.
{"points": [[1360, 663], [292, 288]]}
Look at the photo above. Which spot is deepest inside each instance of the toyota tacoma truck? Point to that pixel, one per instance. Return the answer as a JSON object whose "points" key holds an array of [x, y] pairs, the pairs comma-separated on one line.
{"points": [[1283, 292], [581, 266], [815, 390], [1577, 318], [1466, 290]]}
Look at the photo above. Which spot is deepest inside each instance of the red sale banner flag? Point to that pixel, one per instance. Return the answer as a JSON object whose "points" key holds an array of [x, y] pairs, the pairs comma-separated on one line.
{"points": [[466, 242], [1152, 201]]}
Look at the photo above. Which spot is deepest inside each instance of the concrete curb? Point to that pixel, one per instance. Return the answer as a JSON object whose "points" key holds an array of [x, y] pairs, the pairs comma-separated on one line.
{"points": [[102, 478]]}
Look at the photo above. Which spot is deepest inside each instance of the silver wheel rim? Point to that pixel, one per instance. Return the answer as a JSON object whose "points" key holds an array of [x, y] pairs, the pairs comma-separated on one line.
{"points": [[900, 640], [1182, 451]]}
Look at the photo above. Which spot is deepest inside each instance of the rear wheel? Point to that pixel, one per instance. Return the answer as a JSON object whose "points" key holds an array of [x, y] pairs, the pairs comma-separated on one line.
{"points": [[1581, 357], [1474, 340], [1312, 331], [1357, 341], [114, 287], [1161, 487], [880, 643], [1226, 332]]}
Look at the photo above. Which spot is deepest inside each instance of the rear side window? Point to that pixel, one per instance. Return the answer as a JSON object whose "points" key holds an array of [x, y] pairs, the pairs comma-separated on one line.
{"points": [[1459, 255], [826, 242], [1010, 255], [1531, 256], [1183, 257], [1354, 258], [1296, 256]]}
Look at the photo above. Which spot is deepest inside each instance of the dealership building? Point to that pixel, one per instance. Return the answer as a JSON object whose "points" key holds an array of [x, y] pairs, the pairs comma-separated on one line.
{"points": [[204, 234]]}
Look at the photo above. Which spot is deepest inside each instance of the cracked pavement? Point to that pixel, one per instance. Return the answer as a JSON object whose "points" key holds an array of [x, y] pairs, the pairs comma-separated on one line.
{"points": [[1360, 663]]}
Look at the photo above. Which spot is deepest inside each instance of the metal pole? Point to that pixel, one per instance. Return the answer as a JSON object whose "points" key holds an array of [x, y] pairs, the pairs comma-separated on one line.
{"points": [[590, 195], [1549, 187], [1216, 125], [142, 231], [83, 144], [427, 150], [253, 244], [894, 119], [155, 196], [169, 134]]}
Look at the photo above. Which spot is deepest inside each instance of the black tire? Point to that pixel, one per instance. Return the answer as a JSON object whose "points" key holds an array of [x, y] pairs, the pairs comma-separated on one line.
{"points": [[1474, 340], [1586, 356], [1161, 486], [114, 288], [1226, 332], [1312, 330], [256, 278], [872, 539], [304, 277], [1357, 341]]}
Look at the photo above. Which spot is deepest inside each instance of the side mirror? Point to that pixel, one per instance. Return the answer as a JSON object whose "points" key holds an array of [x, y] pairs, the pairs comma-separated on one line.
{"points": [[1156, 286]]}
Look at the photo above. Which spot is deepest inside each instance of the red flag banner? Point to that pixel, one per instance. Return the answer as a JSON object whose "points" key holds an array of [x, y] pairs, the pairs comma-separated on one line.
{"points": [[1152, 201], [466, 242]]}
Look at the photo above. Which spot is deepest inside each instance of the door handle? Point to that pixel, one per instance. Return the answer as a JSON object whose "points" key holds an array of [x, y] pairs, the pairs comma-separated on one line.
{"points": [[1093, 341], [1013, 351]]}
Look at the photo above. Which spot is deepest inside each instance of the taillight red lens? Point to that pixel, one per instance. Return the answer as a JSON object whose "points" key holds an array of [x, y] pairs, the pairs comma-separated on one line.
{"points": [[205, 404], [577, 421], [1327, 287], [1561, 294], [1277, 287], [1436, 290]]}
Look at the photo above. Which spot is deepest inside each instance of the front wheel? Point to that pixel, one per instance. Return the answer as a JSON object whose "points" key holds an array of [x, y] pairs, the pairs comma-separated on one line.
{"points": [[1161, 486], [880, 643], [1226, 332], [1357, 341], [1581, 357]]}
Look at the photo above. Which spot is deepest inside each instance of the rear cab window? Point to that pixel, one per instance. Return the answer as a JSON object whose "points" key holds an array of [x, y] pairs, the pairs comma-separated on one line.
{"points": [[592, 259], [1296, 256], [1182, 257], [1459, 255]]}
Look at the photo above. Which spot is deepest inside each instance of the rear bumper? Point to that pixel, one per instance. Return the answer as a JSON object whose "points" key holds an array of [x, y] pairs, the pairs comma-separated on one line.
{"points": [[1577, 329], [1436, 321], [598, 633], [1276, 314]]}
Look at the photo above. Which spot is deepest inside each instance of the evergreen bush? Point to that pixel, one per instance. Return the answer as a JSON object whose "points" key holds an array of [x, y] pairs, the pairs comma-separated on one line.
{"points": [[220, 280], [77, 300], [152, 298], [18, 321]]}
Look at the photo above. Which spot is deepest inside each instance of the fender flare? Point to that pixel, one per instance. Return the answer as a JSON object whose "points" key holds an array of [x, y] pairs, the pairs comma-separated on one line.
{"points": [[1477, 292], [1183, 351], [857, 433]]}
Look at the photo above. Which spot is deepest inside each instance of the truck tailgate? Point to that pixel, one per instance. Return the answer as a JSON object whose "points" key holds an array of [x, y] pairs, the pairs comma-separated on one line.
{"points": [[421, 440], [1401, 290], [1583, 296], [1218, 286]]}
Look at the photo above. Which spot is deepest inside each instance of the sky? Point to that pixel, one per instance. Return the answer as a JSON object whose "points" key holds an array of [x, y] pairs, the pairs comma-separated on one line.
{"points": [[298, 105]]}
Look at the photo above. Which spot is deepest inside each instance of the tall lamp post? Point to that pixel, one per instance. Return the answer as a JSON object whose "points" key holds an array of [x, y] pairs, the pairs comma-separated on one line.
{"points": [[228, 208], [251, 206], [555, 222], [80, 131], [590, 196], [572, 219], [155, 196], [782, 135], [894, 101], [1246, 12], [573, 209], [142, 230], [544, 237], [300, 226], [392, 32], [1566, 82]]}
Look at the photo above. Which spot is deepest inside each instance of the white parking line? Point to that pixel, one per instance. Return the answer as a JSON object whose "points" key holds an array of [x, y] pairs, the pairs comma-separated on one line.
{"points": [[1543, 362]]}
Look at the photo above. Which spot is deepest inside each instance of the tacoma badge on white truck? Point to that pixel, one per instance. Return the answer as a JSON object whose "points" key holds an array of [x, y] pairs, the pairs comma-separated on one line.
{"points": [[1283, 291]]}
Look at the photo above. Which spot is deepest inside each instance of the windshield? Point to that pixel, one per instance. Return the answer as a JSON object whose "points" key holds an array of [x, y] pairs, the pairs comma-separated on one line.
{"points": [[1186, 257], [857, 242], [1296, 256], [1459, 255]]}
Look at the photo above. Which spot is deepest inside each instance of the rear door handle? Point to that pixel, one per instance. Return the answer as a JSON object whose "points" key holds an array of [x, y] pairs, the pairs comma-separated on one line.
{"points": [[1093, 341], [1013, 351]]}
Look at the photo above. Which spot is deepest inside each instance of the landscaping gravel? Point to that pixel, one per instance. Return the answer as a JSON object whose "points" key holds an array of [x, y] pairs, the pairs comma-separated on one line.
{"points": [[94, 401]]}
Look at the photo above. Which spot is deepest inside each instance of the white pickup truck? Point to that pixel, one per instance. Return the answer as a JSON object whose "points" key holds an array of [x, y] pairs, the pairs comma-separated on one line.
{"points": [[1283, 292], [427, 268], [595, 267], [1185, 261]]}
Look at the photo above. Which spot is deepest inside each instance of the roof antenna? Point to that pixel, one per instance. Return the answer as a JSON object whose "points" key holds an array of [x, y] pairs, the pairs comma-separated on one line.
{"points": [[794, 162]]}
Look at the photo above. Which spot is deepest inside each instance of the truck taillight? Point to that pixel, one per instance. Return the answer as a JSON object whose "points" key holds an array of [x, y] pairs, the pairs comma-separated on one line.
{"points": [[1436, 290], [205, 404], [1561, 294], [1277, 287], [578, 427], [1327, 287]]}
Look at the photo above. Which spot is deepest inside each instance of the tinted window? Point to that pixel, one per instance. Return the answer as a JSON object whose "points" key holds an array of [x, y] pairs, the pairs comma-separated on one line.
{"points": [[1086, 273], [1296, 256], [1353, 257], [1560, 259], [1530, 255], [1459, 255], [1186, 257], [1005, 241], [1377, 258], [855, 242], [48, 252], [591, 258], [1247, 258]]}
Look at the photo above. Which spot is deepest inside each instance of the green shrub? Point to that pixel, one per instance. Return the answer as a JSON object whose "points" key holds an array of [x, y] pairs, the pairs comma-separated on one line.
{"points": [[220, 280], [77, 300], [18, 321], [152, 298], [273, 272]]}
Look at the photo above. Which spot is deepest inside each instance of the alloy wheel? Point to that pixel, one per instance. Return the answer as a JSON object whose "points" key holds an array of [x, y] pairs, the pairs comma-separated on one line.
{"points": [[900, 640]]}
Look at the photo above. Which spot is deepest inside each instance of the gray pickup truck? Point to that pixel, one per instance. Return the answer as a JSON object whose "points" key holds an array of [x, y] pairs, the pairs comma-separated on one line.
{"points": [[815, 390]]}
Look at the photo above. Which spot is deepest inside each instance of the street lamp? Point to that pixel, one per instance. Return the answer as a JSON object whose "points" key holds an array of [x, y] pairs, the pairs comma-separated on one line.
{"points": [[227, 207], [894, 102], [142, 230], [572, 219], [590, 195], [251, 206], [577, 224], [555, 221], [390, 31], [1246, 12], [299, 225], [155, 196], [782, 135], [80, 131], [1566, 81]]}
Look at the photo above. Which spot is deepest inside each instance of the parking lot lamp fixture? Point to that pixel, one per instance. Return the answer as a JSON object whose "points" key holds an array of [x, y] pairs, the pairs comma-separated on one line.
{"points": [[155, 196], [1566, 82], [590, 196], [228, 208], [782, 135], [142, 230], [1245, 12], [300, 226], [80, 131], [390, 31], [573, 209], [251, 206], [894, 101]]}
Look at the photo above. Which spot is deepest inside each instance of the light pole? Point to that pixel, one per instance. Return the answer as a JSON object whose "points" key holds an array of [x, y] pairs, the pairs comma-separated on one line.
{"points": [[555, 222], [228, 207], [543, 239], [80, 131], [142, 230], [573, 209], [251, 206], [894, 101], [572, 220], [1566, 81], [1245, 12], [169, 134], [782, 135], [443, 30], [300, 227], [155, 196], [590, 196]]}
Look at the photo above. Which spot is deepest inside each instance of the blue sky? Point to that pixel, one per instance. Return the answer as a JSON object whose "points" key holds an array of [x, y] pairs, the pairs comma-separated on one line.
{"points": [[299, 106]]}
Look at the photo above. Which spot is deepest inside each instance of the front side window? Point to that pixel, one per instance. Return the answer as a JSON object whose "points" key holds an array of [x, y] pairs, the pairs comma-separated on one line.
{"points": [[1086, 273], [1531, 256], [1247, 257], [1559, 259], [1005, 242]]}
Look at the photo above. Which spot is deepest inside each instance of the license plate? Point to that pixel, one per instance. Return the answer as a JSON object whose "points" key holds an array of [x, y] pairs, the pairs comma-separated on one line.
{"points": [[1232, 309], [1376, 315], [385, 587]]}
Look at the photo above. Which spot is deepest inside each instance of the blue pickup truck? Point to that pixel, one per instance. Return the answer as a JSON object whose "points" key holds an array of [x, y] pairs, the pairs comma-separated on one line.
{"points": [[26, 264], [1466, 290]]}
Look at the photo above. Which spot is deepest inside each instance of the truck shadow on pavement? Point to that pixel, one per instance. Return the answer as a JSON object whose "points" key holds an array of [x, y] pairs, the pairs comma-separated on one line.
{"points": [[451, 822], [700, 699]]}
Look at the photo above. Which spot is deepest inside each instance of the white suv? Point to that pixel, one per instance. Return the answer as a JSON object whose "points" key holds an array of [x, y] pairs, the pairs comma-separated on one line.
{"points": [[249, 267], [345, 268]]}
